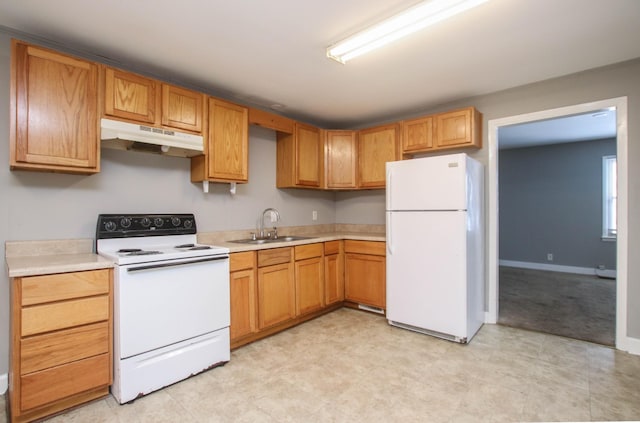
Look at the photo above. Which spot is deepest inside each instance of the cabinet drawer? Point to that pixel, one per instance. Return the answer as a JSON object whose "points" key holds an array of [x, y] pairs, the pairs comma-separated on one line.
{"points": [[331, 247], [66, 314], [241, 261], [63, 286], [50, 385], [53, 349], [375, 248], [308, 251], [274, 256]]}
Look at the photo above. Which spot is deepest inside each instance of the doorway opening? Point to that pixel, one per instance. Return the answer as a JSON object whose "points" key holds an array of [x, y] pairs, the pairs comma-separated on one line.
{"points": [[556, 260], [619, 105]]}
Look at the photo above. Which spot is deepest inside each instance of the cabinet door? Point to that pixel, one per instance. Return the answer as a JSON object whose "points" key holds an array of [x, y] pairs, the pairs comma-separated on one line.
{"points": [[182, 108], [243, 303], [365, 279], [458, 128], [376, 146], [131, 97], [228, 144], [54, 111], [276, 294], [308, 155], [334, 278], [341, 157], [309, 285], [417, 134]]}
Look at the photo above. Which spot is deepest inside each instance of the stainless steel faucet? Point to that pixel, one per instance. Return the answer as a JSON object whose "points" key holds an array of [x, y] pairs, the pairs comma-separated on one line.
{"points": [[261, 233]]}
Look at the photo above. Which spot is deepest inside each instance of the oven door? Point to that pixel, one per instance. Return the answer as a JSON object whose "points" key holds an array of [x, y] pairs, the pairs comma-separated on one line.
{"points": [[161, 303]]}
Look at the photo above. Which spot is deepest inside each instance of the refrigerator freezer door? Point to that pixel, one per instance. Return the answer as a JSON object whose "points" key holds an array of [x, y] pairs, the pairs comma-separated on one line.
{"points": [[430, 183], [426, 270]]}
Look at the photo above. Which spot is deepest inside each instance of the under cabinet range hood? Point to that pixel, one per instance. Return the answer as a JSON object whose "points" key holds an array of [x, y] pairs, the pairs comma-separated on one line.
{"points": [[129, 136]]}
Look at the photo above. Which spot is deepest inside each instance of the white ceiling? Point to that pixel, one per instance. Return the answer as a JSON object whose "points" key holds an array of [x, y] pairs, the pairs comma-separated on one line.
{"points": [[273, 52], [599, 124]]}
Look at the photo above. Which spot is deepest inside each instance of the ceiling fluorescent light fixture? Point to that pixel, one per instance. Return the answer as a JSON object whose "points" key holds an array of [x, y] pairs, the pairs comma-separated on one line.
{"points": [[404, 23]]}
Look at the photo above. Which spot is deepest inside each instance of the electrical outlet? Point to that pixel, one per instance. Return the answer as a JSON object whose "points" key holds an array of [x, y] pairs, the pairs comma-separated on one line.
{"points": [[274, 218], [549, 256], [314, 215]]}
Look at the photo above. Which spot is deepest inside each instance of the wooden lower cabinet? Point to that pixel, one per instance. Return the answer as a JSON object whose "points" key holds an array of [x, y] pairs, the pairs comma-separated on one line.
{"points": [[276, 287], [333, 272], [243, 288], [61, 338], [309, 274], [365, 273]]}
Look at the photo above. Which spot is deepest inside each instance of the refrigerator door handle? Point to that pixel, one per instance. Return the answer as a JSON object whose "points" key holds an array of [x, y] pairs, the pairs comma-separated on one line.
{"points": [[388, 189], [389, 234]]}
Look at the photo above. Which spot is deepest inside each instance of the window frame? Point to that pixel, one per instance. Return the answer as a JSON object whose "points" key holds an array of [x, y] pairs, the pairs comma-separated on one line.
{"points": [[609, 198]]}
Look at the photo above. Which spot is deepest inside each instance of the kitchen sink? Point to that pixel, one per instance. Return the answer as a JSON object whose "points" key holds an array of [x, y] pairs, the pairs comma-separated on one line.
{"points": [[270, 240]]}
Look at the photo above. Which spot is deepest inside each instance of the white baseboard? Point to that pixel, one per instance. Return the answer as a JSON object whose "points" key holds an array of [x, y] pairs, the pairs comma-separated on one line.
{"points": [[609, 273], [4, 383], [630, 345], [488, 318]]}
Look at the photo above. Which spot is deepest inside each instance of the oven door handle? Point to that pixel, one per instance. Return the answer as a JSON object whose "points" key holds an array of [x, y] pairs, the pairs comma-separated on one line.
{"points": [[173, 264]]}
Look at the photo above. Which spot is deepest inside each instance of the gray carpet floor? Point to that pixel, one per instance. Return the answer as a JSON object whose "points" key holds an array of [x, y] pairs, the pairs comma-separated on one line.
{"points": [[574, 306]]}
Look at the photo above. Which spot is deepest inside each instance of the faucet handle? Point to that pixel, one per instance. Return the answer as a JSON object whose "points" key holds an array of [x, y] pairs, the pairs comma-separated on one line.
{"points": [[275, 233], [252, 235]]}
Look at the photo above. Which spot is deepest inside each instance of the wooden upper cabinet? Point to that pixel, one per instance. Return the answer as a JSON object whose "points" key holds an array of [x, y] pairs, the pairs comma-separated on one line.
{"points": [[226, 157], [341, 158], [182, 108], [139, 99], [417, 134], [376, 146], [54, 111], [299, 158], [131, 97], [459, 128]]}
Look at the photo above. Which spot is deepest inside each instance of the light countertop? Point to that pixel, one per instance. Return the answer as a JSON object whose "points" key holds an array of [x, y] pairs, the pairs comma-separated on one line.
{"points": [[29, 258]]}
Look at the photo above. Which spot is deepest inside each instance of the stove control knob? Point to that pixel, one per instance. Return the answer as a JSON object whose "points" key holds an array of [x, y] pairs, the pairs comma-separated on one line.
{"points": [[175, 221], [125, 222], [110, 226], [145, 222], [158, 222], [188, 223]]}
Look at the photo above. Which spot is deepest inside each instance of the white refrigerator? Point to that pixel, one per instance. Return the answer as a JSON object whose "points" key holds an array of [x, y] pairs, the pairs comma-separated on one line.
{"points": [[435, 245]]}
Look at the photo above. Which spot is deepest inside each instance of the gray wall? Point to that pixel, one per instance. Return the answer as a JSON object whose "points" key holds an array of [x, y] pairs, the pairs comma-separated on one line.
{"points": [[618, 80], [136, 182], [550, 201], [37, 205]]}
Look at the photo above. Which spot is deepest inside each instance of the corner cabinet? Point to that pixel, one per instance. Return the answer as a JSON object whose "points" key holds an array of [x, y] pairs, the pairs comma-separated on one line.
{"points": [[61, 337], [299, 158], [341, 160], [365, 273], [226, 157], [54, 111], [376, 146]]}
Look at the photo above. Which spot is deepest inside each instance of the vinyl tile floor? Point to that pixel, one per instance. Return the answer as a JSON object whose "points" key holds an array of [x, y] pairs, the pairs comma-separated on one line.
{"points": [[352, 366]]}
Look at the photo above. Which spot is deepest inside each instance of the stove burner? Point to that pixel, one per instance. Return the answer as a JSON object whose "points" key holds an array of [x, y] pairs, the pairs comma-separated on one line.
{"points": [[142, 253], [200, 247], [129, 250], [185, 246]]}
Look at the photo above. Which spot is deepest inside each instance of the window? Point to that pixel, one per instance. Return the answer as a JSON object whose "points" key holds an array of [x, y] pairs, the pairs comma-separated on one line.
{"points": [[609, 198]]}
